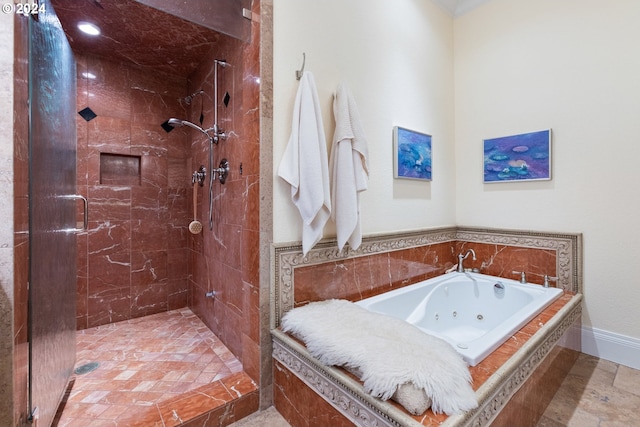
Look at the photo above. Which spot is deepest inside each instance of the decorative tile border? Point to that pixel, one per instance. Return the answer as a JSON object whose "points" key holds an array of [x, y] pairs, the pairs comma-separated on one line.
{"points": [[286, 257]]}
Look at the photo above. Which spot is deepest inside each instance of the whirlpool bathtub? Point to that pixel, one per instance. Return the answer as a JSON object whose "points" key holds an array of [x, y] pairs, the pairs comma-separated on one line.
{"points": [[473, 312]]}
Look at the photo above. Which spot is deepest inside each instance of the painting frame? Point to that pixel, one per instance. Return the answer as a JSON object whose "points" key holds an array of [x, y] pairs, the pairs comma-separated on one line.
{"points": [[412, 154], [521, 157]]}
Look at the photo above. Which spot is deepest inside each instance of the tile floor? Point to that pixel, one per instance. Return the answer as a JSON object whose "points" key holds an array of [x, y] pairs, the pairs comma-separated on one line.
{"points": [[595, 393], [160, 357], [142, 362]]}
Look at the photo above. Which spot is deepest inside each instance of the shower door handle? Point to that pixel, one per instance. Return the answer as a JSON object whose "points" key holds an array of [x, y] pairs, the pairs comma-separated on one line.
{"points": [[85, 210]]}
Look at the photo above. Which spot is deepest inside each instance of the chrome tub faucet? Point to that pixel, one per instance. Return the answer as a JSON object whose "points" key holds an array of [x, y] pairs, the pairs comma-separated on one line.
{"points": [[463, 257]]}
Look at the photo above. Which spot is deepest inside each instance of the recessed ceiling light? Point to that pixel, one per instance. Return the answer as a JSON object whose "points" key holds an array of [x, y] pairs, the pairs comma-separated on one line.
{"points": [[88, 28]]}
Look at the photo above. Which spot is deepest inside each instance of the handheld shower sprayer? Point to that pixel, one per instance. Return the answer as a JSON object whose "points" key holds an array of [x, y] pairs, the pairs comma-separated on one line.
{"points": [[179, 123], [213, 133]]}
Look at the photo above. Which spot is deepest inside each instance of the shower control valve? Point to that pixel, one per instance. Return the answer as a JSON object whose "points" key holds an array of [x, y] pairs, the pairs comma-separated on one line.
{"points": [[222, 170], [199, 176]]}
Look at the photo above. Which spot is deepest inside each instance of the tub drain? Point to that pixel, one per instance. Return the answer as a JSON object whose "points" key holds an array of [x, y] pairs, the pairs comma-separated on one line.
{"points": [[86, 368]]}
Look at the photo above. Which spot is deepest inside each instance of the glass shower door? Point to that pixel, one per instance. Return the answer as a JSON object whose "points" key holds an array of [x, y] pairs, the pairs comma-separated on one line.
{"points": [[52, 215]]}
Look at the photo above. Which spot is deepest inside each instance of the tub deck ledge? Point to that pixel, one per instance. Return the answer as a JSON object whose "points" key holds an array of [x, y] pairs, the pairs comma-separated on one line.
{"points": [[347, 395]]}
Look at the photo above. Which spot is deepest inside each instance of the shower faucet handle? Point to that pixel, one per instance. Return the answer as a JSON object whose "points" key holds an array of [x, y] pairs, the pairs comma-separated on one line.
{"points": [[222, 170], [546, 280], [199, 176]]}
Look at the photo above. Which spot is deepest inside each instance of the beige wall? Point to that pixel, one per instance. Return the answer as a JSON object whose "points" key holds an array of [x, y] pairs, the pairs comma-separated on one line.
{"points": [[573, 67], [397, 58], [516, 66]]}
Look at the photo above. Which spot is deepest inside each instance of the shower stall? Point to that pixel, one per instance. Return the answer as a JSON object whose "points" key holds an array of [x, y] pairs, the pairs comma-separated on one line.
{"points": [[98, 137]]}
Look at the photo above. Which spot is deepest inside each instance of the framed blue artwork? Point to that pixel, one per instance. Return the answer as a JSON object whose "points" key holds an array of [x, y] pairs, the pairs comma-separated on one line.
{"points": [[411, 154], [523, 157]]}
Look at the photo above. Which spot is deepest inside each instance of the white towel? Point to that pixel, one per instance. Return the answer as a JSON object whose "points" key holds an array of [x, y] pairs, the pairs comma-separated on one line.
{"points": [[349, 167], [304, 164]]}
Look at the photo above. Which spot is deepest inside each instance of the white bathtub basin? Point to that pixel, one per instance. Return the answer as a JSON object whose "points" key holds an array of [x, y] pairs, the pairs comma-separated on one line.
{"points": [[473, 312]]}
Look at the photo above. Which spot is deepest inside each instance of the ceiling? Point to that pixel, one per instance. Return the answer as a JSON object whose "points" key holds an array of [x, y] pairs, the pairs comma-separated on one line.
{"points": [[134, 33], [458, 8]]}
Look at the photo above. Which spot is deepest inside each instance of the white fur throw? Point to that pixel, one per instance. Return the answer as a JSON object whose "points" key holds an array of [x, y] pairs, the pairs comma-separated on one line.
{"points": [[388, 352]]}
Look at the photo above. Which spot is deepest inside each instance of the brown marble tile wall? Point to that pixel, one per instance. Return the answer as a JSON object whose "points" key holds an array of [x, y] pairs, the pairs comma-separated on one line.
{"points": [[226, 259], [20, 221], [301, 406], [526, 407], [133, 259], [503, 260], [358, 278]]}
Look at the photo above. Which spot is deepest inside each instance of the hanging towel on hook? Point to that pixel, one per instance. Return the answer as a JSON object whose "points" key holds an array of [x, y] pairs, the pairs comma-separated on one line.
{"points": [[349, 166], [304, 164]]}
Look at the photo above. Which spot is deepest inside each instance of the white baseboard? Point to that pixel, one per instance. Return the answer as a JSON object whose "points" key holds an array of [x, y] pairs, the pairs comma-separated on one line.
{"points": [[607, 345]]}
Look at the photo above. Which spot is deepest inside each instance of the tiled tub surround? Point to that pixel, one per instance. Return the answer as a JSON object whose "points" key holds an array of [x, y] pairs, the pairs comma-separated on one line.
{"points": [[531, 353]]}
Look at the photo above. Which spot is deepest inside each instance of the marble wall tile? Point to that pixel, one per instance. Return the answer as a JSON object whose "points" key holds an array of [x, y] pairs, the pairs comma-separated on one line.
{"points": [[148, 267], [108, 134], [225, 259], [109, 92], [358, 278], [148, 299], [135, 260], [529, 403], [250, 254], [301, 406], [111, 203], [503, 260]]}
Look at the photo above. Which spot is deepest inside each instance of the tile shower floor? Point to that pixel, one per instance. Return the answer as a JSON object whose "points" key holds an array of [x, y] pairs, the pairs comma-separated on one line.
{"points": [[141, 363]]}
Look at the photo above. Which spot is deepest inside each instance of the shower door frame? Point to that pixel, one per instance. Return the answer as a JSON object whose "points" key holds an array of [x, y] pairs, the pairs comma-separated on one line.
{"points": [[52, 216]]}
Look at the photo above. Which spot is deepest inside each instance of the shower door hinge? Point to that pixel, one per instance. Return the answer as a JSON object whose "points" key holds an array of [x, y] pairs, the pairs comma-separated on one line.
{"points": [[33, 417], [247, 13]]}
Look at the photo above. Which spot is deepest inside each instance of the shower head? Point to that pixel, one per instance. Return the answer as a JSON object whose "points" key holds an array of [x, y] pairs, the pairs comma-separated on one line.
{"points": [[188, 99], [221, 62]]}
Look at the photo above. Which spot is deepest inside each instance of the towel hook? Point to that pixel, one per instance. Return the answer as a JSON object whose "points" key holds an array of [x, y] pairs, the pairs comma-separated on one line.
{"points": [[300, 71]]}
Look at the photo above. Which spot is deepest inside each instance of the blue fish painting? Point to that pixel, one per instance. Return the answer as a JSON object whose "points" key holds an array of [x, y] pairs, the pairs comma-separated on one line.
{"points": [[412, 154], [523, 157]]}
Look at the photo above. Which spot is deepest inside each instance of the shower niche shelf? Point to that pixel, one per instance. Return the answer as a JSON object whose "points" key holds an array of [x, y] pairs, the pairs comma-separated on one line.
{"points": [[119, 169]]}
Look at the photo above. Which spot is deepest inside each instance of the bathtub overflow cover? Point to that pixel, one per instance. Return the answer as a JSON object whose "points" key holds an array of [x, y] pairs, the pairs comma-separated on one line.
{"points": [[462, 345]]}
